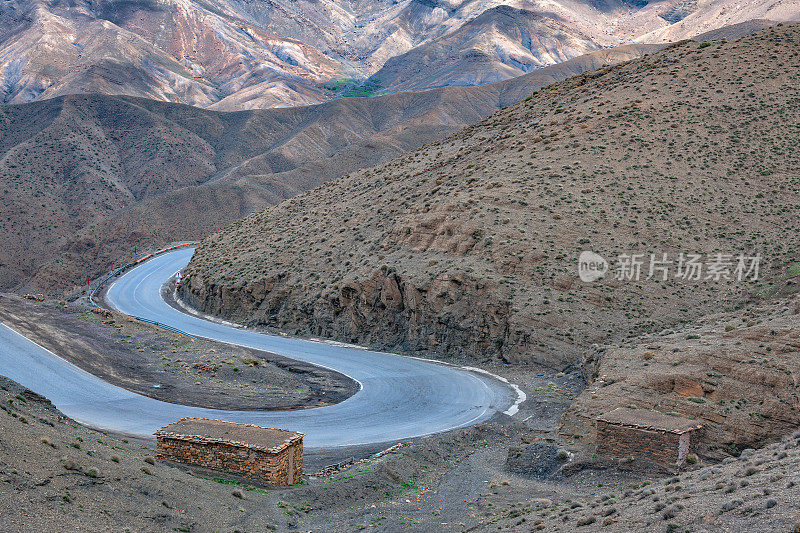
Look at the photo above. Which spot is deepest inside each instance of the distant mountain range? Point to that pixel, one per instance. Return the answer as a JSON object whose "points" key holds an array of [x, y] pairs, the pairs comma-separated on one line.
{"points": [[234, 54]]}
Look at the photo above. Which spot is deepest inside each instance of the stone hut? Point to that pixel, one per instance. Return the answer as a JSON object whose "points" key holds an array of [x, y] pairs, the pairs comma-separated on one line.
{"points": [[626, 432], [272, 456]]}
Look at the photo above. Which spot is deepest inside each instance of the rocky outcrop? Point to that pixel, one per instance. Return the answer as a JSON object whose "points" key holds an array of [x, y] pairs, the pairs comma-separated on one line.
{"points": [[450, 314], [590, 365]]}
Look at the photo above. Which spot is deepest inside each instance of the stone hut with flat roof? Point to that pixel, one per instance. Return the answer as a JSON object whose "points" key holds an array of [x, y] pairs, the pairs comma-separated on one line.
{"points": [[663, 438], [268, 455]]}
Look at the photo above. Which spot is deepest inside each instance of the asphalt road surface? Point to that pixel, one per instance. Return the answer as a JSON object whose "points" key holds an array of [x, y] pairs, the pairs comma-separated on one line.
{"points": [[400, 397]]}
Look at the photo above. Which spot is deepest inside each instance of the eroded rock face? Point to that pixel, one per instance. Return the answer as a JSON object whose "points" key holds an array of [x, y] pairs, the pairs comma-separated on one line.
{"points": [[736, 372], [450, 314]]}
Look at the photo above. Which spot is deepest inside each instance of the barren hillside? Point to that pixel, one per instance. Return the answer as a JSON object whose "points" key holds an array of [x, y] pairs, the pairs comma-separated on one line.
{"points": [[85, 178], [471, 244], [501, 43]]}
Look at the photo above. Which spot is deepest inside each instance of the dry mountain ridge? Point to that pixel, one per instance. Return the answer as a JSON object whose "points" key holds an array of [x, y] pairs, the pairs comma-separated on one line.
{"points": [[85, 178], [469, 245], [501, 43]]}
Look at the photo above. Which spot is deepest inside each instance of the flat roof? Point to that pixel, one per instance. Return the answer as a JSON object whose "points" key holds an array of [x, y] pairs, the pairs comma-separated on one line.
{"points": [[206, 430], [647, 419]]}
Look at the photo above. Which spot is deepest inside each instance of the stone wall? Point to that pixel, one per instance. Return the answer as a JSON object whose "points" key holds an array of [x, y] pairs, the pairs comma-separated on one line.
{"points": [[282, 468], [664, 447]]}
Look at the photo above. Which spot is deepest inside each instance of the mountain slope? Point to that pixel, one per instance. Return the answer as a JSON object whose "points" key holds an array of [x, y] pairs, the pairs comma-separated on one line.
{"points": [[470, 245], [501, 43], [85, 178], [686, 18]]}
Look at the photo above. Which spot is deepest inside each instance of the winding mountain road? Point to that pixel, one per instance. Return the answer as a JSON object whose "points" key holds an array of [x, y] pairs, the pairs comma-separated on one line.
{"points": [[400, 397]]}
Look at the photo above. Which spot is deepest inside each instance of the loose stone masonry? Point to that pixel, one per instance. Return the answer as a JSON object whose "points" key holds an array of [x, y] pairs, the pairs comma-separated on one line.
{"points": [[273, 456], [626, 432]]}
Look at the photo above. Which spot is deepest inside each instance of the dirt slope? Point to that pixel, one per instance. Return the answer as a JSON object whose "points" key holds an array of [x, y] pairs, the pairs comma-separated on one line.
{"points": [[757, 490], [470, 244]]}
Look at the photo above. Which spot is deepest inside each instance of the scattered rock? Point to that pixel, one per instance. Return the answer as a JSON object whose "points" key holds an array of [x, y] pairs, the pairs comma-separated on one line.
{"points": [[732, 504], [771, 503], [538, 460]]}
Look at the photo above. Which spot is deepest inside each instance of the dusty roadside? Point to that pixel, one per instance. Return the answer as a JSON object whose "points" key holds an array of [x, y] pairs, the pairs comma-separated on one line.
{"points": [[57, 475]]}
